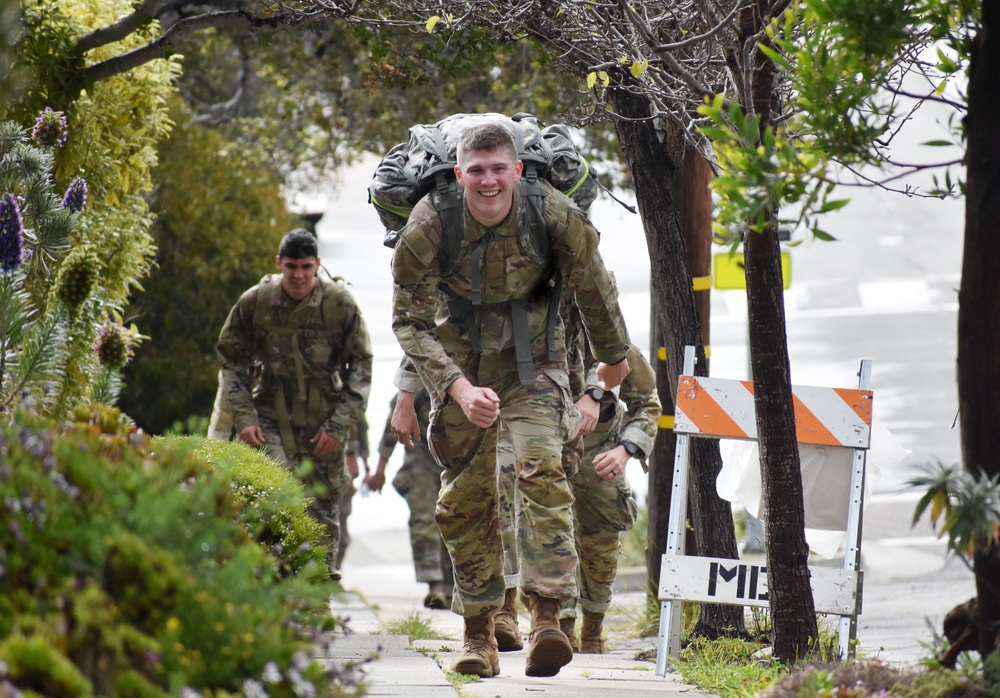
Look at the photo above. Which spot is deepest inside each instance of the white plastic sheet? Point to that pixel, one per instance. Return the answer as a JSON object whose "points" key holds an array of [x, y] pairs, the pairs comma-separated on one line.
{"points": [[826, 483]]}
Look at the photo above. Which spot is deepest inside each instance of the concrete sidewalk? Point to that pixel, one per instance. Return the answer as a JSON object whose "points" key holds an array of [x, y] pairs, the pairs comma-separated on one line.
{"points": [[909, 585], [418, 668]]}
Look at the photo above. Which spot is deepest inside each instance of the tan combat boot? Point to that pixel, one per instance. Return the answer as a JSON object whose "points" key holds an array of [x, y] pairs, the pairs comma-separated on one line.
{"points": [[435, 596], [548, 648], [505, 624], [568, 626], [479, 650], [591, 641]]}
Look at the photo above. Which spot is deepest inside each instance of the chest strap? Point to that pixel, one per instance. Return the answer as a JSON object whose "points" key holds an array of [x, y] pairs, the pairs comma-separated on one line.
{"points": [[467, 310]]}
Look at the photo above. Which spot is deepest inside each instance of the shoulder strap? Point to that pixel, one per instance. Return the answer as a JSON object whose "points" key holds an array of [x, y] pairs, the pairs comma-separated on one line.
{"points": [[265, 296], [331, 293], [448, 204], [533, 232]]}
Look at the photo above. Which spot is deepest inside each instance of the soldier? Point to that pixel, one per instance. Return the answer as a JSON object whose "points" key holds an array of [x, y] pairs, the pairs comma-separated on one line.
{"points": [[418, 481], [310, 342], [624, 427], [499, 357], [220, 427]]}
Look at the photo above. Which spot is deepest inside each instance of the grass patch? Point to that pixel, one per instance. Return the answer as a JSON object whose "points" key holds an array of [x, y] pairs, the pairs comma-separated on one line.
{"points": [[728, 667], [415, 625], [644, 620], [458, 680]]}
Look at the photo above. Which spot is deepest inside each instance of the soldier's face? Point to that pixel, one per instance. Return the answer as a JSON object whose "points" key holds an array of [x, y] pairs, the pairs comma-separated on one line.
{"points": [[489, 178], [298, 276]]}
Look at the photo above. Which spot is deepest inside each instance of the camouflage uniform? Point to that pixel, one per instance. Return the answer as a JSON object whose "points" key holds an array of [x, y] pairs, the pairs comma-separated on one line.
{"points": [[538, 417], [509, 506], [418, 481], [356, 445], [315, 366], [604, 509]]}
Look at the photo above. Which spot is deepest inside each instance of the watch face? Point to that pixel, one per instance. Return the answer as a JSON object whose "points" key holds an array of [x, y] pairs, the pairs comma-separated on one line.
{"points": [[596, 393], [630, 448]]}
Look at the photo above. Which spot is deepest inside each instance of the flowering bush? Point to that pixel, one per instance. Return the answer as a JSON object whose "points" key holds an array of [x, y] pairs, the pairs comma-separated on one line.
{"points": [[128, 571], [51, 307]]}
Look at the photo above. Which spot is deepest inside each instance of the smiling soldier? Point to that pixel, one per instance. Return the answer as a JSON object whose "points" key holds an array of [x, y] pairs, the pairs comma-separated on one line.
{"points": [[496, 359]]}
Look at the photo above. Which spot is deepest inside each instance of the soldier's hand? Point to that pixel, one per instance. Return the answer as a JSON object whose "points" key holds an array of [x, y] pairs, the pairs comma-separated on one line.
{"points": [[480, 405], [324, 444], [252, 435], [352, 465], [610, 376], [375, 482], [611, 464], [590, 410], [404, 419]]}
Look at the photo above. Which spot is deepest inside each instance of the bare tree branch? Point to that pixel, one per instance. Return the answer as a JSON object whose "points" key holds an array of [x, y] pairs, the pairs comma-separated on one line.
{"points": [[143, 15]]}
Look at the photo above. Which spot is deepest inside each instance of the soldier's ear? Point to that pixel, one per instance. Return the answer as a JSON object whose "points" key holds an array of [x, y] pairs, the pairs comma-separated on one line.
{"points": [[277, 261]]}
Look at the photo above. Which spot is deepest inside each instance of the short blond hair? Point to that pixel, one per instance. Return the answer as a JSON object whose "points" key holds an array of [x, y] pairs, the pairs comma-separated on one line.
{"points": [[486, 138]]}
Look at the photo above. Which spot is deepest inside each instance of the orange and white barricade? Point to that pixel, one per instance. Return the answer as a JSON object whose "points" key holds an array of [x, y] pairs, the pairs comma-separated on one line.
{"points": [[724, 409]]}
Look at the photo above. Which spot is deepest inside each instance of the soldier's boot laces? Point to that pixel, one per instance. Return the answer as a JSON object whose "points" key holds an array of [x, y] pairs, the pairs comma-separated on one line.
{"points": [[591, 640], [548, 647], [479, 650], [505, 624], [568, 626]]}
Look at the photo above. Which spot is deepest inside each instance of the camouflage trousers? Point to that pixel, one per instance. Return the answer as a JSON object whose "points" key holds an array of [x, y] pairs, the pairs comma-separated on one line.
{"points": [[346, 507], [602, 511], [325, 481], [418, 481], [535, 421]]}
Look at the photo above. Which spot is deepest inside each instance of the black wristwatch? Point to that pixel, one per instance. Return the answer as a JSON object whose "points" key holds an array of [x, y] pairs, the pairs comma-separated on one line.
{"points": [[630, 448], [596, 393]]}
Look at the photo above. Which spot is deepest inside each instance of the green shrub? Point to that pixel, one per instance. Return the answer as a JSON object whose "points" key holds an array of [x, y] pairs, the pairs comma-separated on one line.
{"points": [[272, 501], [32, 663], [873, 679], [128, 569]]}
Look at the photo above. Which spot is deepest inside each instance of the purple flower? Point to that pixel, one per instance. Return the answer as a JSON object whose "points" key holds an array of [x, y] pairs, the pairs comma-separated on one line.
{"points": [[51, 128], [76, 195], [11, 233]]}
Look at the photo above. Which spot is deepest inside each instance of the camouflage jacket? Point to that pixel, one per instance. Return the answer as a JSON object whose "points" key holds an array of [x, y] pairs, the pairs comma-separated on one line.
{"points": [[439, 346], [316, 348]]}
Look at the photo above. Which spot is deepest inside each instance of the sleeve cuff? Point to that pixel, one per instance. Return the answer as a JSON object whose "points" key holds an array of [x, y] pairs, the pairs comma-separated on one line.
{"points": [[408, 381]]}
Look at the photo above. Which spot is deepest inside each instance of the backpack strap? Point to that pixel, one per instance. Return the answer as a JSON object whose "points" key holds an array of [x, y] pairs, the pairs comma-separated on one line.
{"points": [[448, 204]]}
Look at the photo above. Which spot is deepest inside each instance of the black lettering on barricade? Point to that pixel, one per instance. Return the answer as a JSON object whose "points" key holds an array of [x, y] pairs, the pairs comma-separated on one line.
{"points": [[755, 574], [738, 572], [717, 571]]}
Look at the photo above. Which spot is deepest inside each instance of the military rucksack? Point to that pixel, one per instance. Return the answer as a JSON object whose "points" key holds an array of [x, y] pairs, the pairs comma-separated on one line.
{"points": [[426, 162]]}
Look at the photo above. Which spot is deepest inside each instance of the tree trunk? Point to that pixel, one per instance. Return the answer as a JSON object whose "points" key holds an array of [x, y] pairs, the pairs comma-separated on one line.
{"points": [[657, 186], [793, 611], [979, 299]]}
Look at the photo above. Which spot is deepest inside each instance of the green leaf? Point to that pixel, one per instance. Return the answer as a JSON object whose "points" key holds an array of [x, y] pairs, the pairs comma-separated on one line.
{"points": [[638, 68], [431, 23], [777, 58], [591, 80], [833, 205], [937, 143]]}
